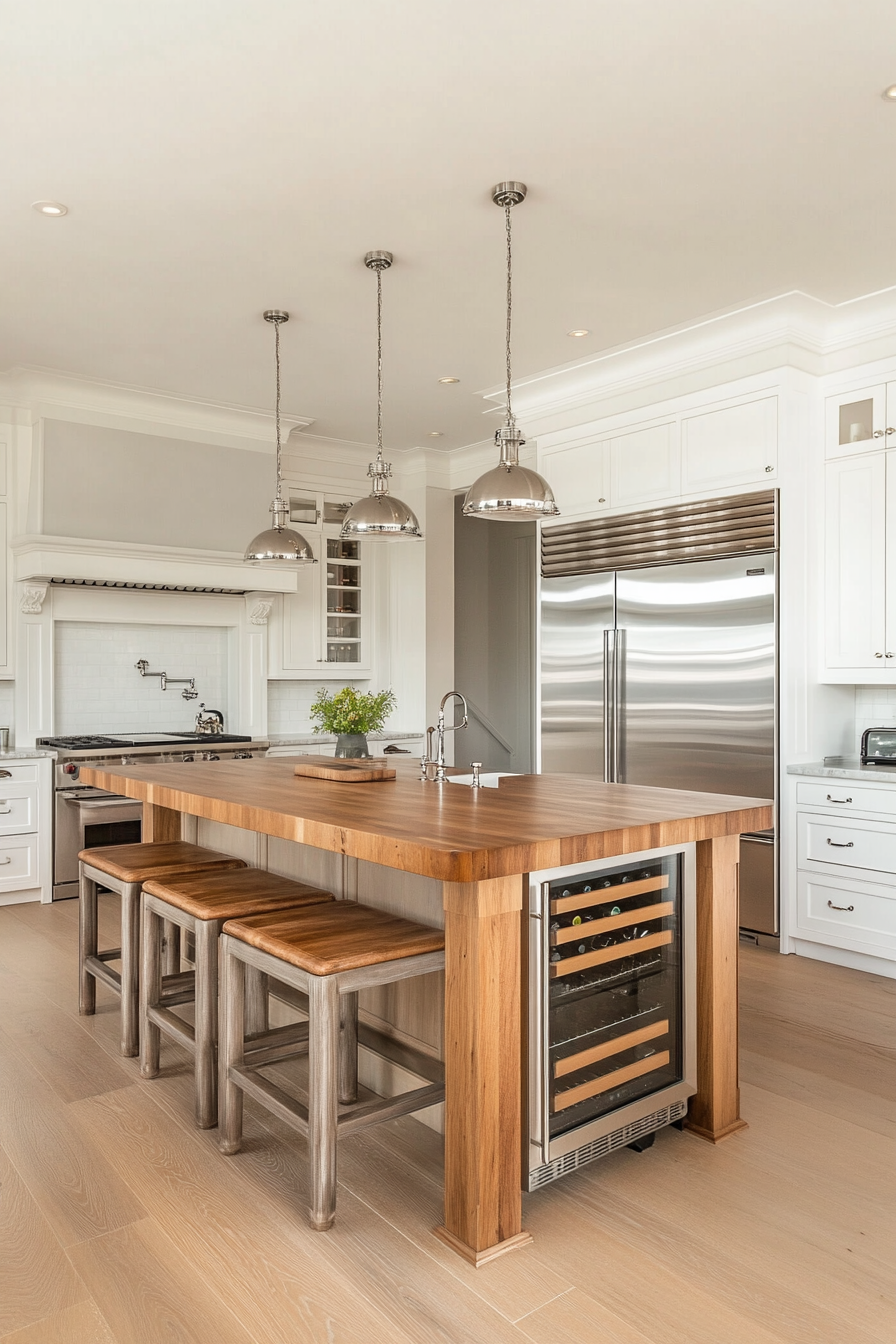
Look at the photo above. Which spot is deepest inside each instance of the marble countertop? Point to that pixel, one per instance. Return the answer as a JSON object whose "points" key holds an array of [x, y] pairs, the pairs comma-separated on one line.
{"points": [[26, 754], [845, 767], [315, 739]]}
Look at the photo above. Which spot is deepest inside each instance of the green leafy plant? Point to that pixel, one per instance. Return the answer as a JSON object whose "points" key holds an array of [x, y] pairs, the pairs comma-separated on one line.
{"points": [[351, 710]]}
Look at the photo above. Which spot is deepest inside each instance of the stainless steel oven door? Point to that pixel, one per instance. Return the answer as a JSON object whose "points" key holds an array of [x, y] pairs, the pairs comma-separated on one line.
{"points": [[85, 818]]}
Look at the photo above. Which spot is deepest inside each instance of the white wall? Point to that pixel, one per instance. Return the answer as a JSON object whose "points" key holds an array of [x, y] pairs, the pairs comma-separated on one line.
{"points": [[98, 688]]}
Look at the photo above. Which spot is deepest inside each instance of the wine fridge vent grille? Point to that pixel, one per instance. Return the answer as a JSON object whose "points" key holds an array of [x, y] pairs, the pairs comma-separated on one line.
{"points": [[618, 1138]]}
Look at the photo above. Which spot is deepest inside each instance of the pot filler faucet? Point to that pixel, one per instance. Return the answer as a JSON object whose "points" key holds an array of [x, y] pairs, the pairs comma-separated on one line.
{"points": [[433, 768]]}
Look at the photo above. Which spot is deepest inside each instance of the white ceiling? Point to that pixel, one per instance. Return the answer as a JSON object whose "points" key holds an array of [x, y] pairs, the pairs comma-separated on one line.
{"points": [[220, 157]]}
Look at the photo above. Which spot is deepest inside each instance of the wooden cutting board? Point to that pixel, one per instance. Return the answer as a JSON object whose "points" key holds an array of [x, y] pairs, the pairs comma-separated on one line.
{"points": [[343, 772]]}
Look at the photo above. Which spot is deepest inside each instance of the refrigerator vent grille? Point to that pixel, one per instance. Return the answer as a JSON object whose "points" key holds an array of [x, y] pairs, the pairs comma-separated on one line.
{"points": [[619, 1138], [708, 530]]}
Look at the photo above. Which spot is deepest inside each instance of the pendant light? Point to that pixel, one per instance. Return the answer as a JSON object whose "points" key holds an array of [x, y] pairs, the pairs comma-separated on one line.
{"points": [[380, 516], [279, 544], [509, 491]]}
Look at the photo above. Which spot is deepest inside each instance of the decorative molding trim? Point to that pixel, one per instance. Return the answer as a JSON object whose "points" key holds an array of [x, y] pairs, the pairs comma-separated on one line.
{"points": [[39, 557], [32, 598], [258, 609]]}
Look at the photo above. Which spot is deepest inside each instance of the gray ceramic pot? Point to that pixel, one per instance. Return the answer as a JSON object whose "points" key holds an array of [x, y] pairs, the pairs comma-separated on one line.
{"points": [[352, 745]]}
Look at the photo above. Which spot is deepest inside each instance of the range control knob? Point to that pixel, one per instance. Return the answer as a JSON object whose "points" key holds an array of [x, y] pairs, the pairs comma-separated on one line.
{"points": [[241, 756], [70, 768]]}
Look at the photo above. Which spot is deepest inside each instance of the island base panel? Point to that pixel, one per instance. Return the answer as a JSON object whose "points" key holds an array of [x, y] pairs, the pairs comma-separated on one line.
{"points": [[483, 1131], [714, 1111]]}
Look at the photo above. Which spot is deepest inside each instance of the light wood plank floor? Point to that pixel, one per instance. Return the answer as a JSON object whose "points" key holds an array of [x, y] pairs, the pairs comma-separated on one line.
{"points": [[121, 1224]]}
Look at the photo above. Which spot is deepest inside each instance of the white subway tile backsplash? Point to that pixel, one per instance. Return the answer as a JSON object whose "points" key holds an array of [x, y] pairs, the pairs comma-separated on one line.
{"points": [[98, 687], [289, 704], [875, 708]]}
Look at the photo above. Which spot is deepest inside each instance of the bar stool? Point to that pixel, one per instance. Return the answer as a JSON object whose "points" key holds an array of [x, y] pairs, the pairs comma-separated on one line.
{"points": [[124, 869], [329, 953], [200, 904]]}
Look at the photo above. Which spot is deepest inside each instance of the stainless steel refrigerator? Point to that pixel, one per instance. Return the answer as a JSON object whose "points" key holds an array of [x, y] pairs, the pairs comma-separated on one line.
{"points": [[664, 675]]}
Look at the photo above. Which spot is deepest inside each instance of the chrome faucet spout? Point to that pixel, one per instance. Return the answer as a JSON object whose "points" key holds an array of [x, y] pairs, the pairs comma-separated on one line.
{"points": [[438, 762]]}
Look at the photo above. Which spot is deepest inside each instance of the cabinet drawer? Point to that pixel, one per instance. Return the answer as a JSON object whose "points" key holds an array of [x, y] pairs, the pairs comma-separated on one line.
{"points": [[18, 808], [855, 844], [24, 773], [18, 863], [847, 796], [855, 912]]}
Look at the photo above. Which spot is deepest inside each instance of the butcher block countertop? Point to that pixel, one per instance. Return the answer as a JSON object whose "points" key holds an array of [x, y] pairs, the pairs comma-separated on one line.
{"points": [[446, 831]]}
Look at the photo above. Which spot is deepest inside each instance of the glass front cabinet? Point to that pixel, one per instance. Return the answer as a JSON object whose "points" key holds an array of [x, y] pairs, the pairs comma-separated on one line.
{"points": [[325, 623]]}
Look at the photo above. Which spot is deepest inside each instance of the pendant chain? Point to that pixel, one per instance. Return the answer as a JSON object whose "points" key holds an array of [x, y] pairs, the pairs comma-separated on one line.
{"points": [[277, 405], [507, 225], [379, 364]]}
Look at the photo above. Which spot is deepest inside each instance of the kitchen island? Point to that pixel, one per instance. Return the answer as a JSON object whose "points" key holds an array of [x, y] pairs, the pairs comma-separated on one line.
{"points": [[478, 844]]}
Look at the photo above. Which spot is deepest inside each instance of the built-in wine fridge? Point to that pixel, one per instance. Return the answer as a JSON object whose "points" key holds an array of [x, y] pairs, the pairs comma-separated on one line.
{"points": [[612, 1021]]}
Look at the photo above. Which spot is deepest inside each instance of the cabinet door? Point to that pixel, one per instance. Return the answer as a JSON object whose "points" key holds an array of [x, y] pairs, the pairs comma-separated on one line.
{"points": [[579, 477], [733, 445], [854, 420], [645, 465], [299, 629], [855, 545]]}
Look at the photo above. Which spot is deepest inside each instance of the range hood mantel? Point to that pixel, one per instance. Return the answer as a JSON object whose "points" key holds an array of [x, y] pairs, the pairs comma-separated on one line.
{"points": [[72, 561]]}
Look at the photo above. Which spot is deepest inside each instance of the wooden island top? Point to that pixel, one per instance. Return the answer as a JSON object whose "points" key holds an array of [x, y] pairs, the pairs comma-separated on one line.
{"points": [[479, 844], [446, 831]]}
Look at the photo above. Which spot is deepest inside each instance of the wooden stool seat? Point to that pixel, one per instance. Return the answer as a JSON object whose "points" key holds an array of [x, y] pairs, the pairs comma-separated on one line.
{"points": [[328, 953], [137, 863], [233, 895], [342, 937], [124, 869], [199, 903]]}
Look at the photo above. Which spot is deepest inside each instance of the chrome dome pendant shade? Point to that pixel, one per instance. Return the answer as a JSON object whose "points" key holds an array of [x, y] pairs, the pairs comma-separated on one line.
{"points": [[510, 492], [380, 516], [279, 544]]}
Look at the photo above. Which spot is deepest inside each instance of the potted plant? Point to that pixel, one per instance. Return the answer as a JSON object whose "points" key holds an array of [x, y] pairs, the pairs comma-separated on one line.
{"points": [[351, 714]]}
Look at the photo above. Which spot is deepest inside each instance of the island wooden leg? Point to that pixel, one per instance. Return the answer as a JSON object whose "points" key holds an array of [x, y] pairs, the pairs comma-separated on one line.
{"points": [[714, 1112], [160, 823], [483, 1201]]}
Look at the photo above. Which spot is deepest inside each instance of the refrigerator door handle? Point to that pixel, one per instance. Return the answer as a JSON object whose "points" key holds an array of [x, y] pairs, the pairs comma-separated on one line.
{"points": [[618, 705], [609, 706]]}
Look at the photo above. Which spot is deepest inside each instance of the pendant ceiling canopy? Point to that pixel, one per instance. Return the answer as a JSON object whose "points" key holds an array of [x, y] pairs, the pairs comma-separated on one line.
{"points": [[379, 516], [279, 543], [509, 491]]}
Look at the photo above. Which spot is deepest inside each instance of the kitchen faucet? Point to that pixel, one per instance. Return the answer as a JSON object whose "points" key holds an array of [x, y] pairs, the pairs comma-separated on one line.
{"points": [[437, 764]]}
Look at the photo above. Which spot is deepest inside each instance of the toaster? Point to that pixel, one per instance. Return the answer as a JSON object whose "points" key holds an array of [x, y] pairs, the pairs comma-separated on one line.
{"points": [[879, 746]]}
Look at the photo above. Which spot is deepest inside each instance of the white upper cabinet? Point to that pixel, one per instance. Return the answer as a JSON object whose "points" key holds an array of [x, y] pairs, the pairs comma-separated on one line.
{"points": [[579, 477], [856, 563], [323, 625], [733, 445], [858, 421], [645, 465]]}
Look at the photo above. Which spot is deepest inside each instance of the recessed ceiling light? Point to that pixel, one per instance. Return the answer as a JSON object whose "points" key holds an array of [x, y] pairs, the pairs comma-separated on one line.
{"points": [[55, 208], [890, 94], [579, 331], [449, 380], [434, 433]]}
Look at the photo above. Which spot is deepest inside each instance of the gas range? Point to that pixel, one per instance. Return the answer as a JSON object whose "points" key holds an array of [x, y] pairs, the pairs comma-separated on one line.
{"points": [[145, 748]]}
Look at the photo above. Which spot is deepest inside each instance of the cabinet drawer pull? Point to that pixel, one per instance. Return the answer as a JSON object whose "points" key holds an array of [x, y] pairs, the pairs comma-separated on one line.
{"points": [[838, 800], [5, 774], [878, 655], [4, 811], [8, 859], [832, 906], [839, 844]]}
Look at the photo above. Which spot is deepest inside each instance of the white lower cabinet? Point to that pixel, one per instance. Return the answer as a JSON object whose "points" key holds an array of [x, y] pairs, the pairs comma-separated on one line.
{"points": [[846, 878], [19, 863]]}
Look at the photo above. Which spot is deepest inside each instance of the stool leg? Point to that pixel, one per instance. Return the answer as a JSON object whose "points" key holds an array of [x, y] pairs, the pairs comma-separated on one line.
{"points": [[130, 962], [206, 1022], [233, 1035], [256, 1001], [87, 944], [348, 1048], [323, 1032], [150, 992], [170, 947]]}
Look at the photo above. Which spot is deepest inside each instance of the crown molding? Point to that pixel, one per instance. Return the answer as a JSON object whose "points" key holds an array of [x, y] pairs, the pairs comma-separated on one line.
{"points": [[792, 330], [36, 393]]}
